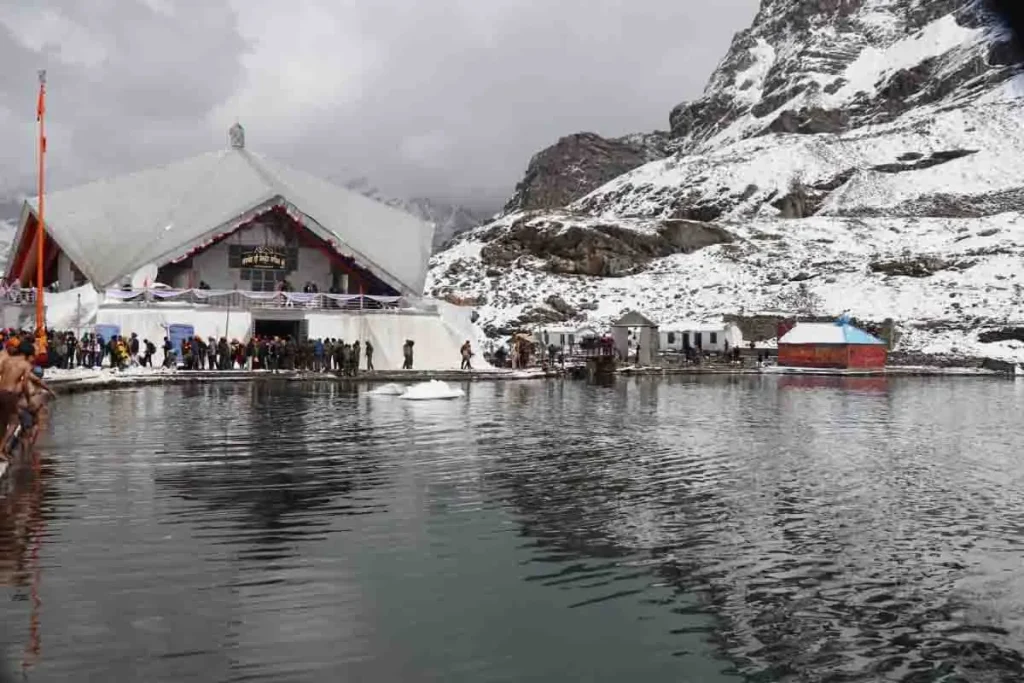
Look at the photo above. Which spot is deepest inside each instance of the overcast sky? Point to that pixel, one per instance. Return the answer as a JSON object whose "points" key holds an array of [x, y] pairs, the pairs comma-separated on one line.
{"points": [[441, 98]]}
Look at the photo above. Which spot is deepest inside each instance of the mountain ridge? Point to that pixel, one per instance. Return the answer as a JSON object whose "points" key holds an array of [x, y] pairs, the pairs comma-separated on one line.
{"points": [[449, 219], [834, 171]]}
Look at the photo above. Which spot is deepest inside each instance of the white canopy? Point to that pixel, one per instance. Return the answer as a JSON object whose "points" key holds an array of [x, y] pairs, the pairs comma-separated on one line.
{"points": [[110, 228]]}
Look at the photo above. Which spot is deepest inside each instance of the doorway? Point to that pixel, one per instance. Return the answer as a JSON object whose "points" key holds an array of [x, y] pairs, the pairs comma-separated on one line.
{"points": [[278, 328]]}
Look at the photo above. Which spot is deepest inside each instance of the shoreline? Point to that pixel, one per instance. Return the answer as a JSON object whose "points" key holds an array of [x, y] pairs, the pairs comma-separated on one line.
{"points": [[81, 381], [78, 381], [95, 380]]}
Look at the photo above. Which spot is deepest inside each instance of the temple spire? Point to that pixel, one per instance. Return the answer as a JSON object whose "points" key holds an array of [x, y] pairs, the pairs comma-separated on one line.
{"points": [[236, 135]]}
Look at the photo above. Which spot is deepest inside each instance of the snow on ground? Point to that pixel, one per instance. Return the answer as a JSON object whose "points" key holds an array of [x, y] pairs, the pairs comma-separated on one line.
{"points": [[104, 375], [821, 264], [432, 390]]}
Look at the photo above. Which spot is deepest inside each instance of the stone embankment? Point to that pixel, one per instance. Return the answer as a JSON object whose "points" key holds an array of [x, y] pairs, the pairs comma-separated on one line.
{"points": [[77, 381]]}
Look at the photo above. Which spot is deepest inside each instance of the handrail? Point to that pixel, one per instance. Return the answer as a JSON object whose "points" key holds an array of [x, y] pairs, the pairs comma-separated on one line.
{"points": [[243, 299]]}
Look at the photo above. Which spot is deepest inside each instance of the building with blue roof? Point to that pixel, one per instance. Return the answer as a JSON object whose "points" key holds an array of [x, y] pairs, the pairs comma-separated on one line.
{"points": [[837, 345]]}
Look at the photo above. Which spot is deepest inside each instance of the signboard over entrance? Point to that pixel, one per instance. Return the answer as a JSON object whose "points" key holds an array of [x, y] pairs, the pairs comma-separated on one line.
{"points": [[264, 257]]}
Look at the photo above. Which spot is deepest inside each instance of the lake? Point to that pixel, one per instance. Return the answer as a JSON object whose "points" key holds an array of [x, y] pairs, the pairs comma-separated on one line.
{"points": [[690, 529]]}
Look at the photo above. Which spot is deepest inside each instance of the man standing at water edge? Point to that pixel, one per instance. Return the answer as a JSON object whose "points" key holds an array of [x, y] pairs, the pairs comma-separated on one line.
{"points": [[31, 409], [15, 374]]}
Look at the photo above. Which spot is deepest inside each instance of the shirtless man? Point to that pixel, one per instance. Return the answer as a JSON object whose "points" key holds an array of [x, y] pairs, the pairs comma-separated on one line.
{"points": [[15, 376], [32, 408]]}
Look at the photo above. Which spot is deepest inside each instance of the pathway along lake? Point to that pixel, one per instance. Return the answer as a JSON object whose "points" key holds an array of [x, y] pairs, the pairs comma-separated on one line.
{"points": [[715, 529]]}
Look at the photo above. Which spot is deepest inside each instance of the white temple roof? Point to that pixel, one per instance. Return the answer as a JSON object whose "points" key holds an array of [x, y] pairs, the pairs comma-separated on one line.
{"points": [[110, 228]]}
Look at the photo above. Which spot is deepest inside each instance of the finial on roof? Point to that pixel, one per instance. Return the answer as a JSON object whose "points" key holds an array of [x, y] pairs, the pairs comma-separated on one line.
{"points": [[236, 134]]}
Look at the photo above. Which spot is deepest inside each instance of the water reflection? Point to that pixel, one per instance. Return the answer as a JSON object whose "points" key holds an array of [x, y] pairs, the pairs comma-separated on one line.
{"points": [[808, 530], [842, 383], [22, 531], [277, 467]]}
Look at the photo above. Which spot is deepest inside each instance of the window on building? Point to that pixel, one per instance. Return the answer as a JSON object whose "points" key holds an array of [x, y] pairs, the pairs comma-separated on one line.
{"points": [[698, 340], [713, 337], [572, 340], [671, 337], [263, 280]]}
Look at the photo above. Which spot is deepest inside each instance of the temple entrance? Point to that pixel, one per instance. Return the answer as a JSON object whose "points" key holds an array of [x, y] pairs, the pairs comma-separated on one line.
{"points": [[279, 328]]}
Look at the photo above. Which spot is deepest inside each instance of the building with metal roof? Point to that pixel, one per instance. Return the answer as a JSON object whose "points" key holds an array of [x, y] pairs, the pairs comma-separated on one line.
{"points": [[232, 244], [837, 345], [174, 216]]}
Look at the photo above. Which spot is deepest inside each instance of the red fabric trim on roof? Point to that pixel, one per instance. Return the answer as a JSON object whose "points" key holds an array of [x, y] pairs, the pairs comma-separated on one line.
{"points": [[306, 237], [28, 238]]}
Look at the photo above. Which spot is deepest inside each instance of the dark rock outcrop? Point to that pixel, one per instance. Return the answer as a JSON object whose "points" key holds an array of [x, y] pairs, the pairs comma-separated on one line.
{"points": [[913, 161], [580, 163], [912, 266], [557, 303], [607, 250], [810, 121], [1002, 334], [945, 205]]}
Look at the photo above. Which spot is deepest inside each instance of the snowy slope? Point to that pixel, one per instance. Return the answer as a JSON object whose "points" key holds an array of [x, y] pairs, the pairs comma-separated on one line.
{"points": [[863, 154], [812, 265], [7, 229]]}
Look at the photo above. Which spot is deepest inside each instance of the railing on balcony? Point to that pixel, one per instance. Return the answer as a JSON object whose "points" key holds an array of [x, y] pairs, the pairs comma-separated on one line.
{"points": [[17, 297], [264, 300]]}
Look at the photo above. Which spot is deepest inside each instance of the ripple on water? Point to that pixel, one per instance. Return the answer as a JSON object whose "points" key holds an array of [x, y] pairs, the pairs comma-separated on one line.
{"points": [[794, 530]]}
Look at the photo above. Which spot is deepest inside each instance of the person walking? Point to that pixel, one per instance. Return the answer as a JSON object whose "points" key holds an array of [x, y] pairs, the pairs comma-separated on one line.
{"points": [[369, 356], [407, 355]]}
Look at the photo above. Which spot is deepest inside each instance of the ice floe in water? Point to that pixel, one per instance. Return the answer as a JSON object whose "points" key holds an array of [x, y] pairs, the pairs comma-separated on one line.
{"points": [[388, 390], [432, 390]]}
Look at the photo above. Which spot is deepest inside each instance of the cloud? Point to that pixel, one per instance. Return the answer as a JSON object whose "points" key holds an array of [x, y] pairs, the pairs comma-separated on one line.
{"points": [[128, 83], [443, 98]]}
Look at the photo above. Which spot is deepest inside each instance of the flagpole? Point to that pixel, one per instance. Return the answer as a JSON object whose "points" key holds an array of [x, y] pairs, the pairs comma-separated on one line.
{"points": [[40, 233]]}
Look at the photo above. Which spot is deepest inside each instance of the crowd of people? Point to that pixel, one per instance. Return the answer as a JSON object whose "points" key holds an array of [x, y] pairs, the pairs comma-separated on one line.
{"points": [[271, 353], [65, 350]]}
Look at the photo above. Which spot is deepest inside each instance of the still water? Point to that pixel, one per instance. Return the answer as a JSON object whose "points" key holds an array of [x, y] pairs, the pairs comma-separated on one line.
{"points": [[729, 529]]}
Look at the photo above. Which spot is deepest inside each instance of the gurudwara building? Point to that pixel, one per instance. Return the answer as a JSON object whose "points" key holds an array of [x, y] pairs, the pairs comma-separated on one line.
{"points": [[230, 243]]}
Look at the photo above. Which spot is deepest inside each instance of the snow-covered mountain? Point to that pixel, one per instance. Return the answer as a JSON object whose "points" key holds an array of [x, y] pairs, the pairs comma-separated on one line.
{"points": [[10, 212], [450, 219], [846, 154]]}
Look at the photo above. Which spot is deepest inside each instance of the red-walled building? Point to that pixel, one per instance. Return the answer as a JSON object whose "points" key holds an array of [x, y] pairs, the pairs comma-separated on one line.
{"points": [[837, 345]]}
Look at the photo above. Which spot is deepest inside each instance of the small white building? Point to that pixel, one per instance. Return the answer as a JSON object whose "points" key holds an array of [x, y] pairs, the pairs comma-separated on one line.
{"points": [[563, 338], [710, 337]]}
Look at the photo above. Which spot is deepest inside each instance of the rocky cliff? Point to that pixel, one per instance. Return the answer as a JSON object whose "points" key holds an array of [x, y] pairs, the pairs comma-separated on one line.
{"points": [[860, 154], [579, 163]]}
